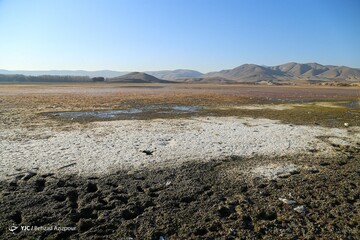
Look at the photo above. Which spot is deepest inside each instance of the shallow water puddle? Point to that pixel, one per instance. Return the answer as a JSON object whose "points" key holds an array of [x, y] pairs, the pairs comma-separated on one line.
{"points": [[128, 113], [176, 109], [149, 87], [352, 104], [96, 114]]}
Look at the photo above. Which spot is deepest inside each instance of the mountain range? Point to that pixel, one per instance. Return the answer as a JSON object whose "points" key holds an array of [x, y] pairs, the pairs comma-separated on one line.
{"points": [[167, 74], [101, 73], [247, 73], [286, 72]]}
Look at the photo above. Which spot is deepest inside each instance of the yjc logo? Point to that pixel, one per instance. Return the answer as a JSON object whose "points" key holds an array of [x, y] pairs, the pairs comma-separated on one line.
{"points": [[13, 229], [25, 228]]}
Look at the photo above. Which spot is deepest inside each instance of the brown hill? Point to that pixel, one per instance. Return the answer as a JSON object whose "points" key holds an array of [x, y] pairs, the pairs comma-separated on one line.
{"points": [[246, 73], [287, 72], [136, 77], [345, 73], [175, 74]]}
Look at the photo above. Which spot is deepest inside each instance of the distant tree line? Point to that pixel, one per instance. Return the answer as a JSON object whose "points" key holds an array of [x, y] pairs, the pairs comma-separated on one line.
{"points": [[98, 79], [44, 78]]}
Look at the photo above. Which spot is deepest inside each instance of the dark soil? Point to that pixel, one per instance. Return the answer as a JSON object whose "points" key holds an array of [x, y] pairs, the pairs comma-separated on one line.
{"points": [[194, 201]]}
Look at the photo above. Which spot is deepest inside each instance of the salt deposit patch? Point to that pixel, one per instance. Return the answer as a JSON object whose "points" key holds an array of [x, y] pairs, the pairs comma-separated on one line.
{"points": [[339, 141], [263, 106], [281, 107], [107, 146], [273, 171]]}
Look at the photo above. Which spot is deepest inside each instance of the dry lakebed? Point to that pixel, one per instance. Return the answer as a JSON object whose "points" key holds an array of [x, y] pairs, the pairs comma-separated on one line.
{"points": [[179, 161]]}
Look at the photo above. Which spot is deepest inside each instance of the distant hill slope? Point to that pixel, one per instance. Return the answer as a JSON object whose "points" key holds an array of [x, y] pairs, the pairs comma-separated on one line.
{"points": [[206, 80], [17, 78], [286, 72], [102, 73], [136, 77], [166, 75], [175, 74], [247, 73]]}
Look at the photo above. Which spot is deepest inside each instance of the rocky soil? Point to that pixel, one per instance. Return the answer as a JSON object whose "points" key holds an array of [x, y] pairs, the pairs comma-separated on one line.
{"points": [[316, 198]]}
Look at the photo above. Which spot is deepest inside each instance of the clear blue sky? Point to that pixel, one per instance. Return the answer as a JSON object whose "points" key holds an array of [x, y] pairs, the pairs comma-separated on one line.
{"points": [[204, 35]]}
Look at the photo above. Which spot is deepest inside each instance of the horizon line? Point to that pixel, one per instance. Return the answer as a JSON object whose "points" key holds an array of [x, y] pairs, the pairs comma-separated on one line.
{"points": [[74, 70]]}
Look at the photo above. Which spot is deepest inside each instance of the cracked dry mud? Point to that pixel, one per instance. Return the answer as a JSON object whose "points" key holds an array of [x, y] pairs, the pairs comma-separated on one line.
{"points": [[193, 201]]}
